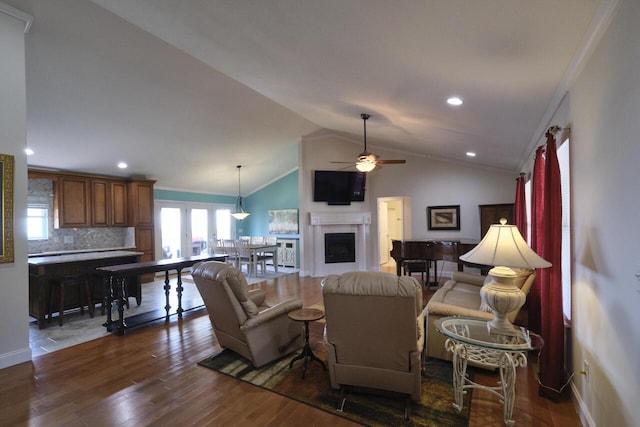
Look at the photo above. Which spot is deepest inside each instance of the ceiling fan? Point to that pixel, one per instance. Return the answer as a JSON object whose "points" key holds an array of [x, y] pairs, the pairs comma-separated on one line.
{"points": [[366, 161]]}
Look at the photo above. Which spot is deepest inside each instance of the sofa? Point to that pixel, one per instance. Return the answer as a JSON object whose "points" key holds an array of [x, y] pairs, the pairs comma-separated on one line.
{"points": [[243, 320], [374, 331], [460, 296]]}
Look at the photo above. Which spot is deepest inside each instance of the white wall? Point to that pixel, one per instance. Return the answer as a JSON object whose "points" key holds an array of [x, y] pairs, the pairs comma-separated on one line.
{"points": [[14, 318], [605, 150], [428, 182]]}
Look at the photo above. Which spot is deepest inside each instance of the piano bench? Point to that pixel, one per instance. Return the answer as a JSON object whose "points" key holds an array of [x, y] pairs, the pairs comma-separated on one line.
{"points": [[421, 266]]}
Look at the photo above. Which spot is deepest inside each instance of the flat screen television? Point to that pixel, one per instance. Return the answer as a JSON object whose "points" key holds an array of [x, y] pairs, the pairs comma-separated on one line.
{"points": [[339, 187]]}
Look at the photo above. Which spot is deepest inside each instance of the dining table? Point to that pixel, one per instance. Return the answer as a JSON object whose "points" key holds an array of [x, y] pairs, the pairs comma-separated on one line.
{"points": [[255, 250]]}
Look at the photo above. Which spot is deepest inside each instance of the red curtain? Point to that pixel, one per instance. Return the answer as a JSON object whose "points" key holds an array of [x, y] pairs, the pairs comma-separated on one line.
{"points": [[549, 246], [537, 208], [521, 206]]}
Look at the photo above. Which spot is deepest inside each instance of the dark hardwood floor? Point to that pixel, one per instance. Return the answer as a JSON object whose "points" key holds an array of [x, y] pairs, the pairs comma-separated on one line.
{"points": [[151, 377]]}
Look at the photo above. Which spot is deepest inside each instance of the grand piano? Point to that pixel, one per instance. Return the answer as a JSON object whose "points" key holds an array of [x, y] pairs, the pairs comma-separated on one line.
{"points": [[427, 250]]}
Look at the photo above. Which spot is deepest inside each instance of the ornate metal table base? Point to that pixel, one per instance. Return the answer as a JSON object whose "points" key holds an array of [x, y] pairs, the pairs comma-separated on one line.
{"points": [[506, 363]]}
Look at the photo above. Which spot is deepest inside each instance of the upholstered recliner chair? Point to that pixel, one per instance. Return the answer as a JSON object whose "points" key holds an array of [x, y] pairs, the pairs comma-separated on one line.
{"points": [[242, 320], [374, 332]]}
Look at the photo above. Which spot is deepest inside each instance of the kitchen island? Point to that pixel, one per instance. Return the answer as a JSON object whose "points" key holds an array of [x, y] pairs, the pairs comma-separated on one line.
{"points": [[45, 269]]}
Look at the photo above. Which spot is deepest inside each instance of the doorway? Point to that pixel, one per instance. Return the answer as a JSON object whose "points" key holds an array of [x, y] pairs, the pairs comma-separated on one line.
{"points": [[393, 224]]}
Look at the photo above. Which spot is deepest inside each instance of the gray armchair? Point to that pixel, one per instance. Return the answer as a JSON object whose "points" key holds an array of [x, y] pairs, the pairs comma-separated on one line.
{"points": [[243, 320], [374, 333]]}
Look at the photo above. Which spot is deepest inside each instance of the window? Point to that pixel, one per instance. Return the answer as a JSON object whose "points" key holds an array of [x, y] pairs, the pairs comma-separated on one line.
{"points": [[565, 178], [37, 222]]}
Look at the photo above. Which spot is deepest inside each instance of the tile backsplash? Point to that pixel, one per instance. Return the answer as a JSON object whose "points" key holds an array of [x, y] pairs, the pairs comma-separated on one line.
{"points": [[69, 239]]}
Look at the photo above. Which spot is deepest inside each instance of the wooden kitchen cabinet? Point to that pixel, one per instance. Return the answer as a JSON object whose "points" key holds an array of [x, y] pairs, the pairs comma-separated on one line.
{"points": [[100, 203], [82, 200], [72, 206], [118, 204], [140, 194], [108, 203], [140, 216]]}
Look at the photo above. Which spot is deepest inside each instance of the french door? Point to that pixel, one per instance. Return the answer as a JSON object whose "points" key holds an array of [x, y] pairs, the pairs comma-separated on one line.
{"points": [[188, 228]]}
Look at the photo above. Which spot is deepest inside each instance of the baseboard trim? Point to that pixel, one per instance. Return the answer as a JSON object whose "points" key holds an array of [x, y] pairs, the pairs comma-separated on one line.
{"points": [[581, 406], [15, 357]]}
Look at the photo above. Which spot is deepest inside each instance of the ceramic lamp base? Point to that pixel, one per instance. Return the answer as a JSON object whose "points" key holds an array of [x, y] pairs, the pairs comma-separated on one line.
{"points": [[502, 296]]}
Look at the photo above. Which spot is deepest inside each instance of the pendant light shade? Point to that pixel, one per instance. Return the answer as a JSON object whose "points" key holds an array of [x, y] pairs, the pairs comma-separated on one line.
{"points": [[239, 213]]}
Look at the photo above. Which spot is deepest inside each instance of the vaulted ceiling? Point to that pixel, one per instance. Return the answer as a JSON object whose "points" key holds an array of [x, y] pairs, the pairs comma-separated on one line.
{"points": [[183, 91]]}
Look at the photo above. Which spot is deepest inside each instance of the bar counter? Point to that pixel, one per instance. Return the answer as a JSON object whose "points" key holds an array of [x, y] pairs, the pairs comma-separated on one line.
{"points": [[44, 269]]}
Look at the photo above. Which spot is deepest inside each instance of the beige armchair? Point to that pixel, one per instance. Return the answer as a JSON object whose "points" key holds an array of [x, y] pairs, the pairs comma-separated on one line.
{"points": [[242, 320], [374, 331], [460, 296]]}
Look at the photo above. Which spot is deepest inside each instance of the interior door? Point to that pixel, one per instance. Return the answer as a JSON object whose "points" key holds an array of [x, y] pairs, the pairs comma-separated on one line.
{"points": [[391, 225], [383, 233], [394, 223]]}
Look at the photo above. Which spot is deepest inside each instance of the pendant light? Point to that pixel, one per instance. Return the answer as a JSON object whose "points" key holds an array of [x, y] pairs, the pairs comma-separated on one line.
{"points": [[240, 213]]}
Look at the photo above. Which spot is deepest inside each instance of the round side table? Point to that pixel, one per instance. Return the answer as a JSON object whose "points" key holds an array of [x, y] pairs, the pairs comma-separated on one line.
{"points": [[306, 315]]}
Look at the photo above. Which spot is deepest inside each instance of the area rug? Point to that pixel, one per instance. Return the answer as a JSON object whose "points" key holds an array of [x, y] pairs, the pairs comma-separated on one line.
{"points": [[434, 409]]}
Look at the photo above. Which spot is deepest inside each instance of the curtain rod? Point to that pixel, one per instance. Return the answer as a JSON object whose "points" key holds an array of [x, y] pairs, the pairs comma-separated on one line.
{"points": [[554, 129]]}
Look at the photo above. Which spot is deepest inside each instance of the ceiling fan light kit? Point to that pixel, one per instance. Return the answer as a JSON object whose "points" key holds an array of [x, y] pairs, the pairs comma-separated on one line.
{"points": [[366, 161]]}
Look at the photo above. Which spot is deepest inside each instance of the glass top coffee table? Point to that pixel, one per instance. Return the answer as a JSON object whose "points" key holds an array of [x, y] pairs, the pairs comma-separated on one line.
{"points": [[472, 340]]}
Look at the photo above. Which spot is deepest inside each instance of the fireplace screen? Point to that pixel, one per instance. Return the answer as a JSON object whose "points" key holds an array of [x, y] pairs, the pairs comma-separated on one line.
{"points": [[339, 247]]}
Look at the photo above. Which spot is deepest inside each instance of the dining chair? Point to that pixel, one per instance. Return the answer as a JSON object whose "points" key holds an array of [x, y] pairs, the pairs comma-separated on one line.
{"points": [[245, 257]]}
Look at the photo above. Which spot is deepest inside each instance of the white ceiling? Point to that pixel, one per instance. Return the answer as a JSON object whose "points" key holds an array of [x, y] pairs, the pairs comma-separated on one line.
{"points": [[183, 91]]}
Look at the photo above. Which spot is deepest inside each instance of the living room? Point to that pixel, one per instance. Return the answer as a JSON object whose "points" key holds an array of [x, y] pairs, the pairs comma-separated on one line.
{"points": [[598, 100]]}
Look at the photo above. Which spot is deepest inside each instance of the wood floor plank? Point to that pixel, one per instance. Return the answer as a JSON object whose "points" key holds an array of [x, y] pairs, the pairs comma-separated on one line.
{"points": [[151, 377]]}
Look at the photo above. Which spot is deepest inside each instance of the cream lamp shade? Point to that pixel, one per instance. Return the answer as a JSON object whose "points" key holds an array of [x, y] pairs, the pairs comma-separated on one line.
{"points": [[503, 247]]}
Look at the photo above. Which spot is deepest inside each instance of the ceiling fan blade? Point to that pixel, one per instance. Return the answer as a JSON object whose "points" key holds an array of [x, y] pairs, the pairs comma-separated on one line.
{"points": [[351, 163], [391, 162]]}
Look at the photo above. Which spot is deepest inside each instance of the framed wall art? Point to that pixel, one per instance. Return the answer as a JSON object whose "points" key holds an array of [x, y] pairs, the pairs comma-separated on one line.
{"points": [[283, 221], [6, 209], [443, 217]]}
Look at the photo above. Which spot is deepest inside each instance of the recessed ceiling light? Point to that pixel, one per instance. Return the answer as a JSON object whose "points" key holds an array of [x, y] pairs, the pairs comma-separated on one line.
{"points": [[122, 165], [28, 151], [454, 100], [471, 154]]}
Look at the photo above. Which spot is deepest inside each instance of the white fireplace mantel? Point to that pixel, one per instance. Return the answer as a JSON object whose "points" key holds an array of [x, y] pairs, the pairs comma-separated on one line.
{"points": [[332, 222]]}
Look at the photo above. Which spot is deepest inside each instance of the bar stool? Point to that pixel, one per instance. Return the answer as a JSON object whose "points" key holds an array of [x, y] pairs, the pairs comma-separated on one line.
{"points": [[60, 285]]}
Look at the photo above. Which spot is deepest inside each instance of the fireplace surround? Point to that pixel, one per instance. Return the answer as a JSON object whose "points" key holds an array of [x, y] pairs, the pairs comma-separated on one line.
{"points": [[356, 223]]}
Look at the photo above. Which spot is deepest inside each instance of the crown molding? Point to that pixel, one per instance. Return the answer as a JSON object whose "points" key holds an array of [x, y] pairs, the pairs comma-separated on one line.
{"points": [[599, 25], [18, 14]]}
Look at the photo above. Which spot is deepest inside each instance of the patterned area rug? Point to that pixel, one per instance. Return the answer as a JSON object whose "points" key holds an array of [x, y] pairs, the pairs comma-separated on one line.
{"points": [[434, 409]]}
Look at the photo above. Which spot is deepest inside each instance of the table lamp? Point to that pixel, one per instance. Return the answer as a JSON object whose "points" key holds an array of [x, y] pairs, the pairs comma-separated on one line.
{"points": [[503, 247]]}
